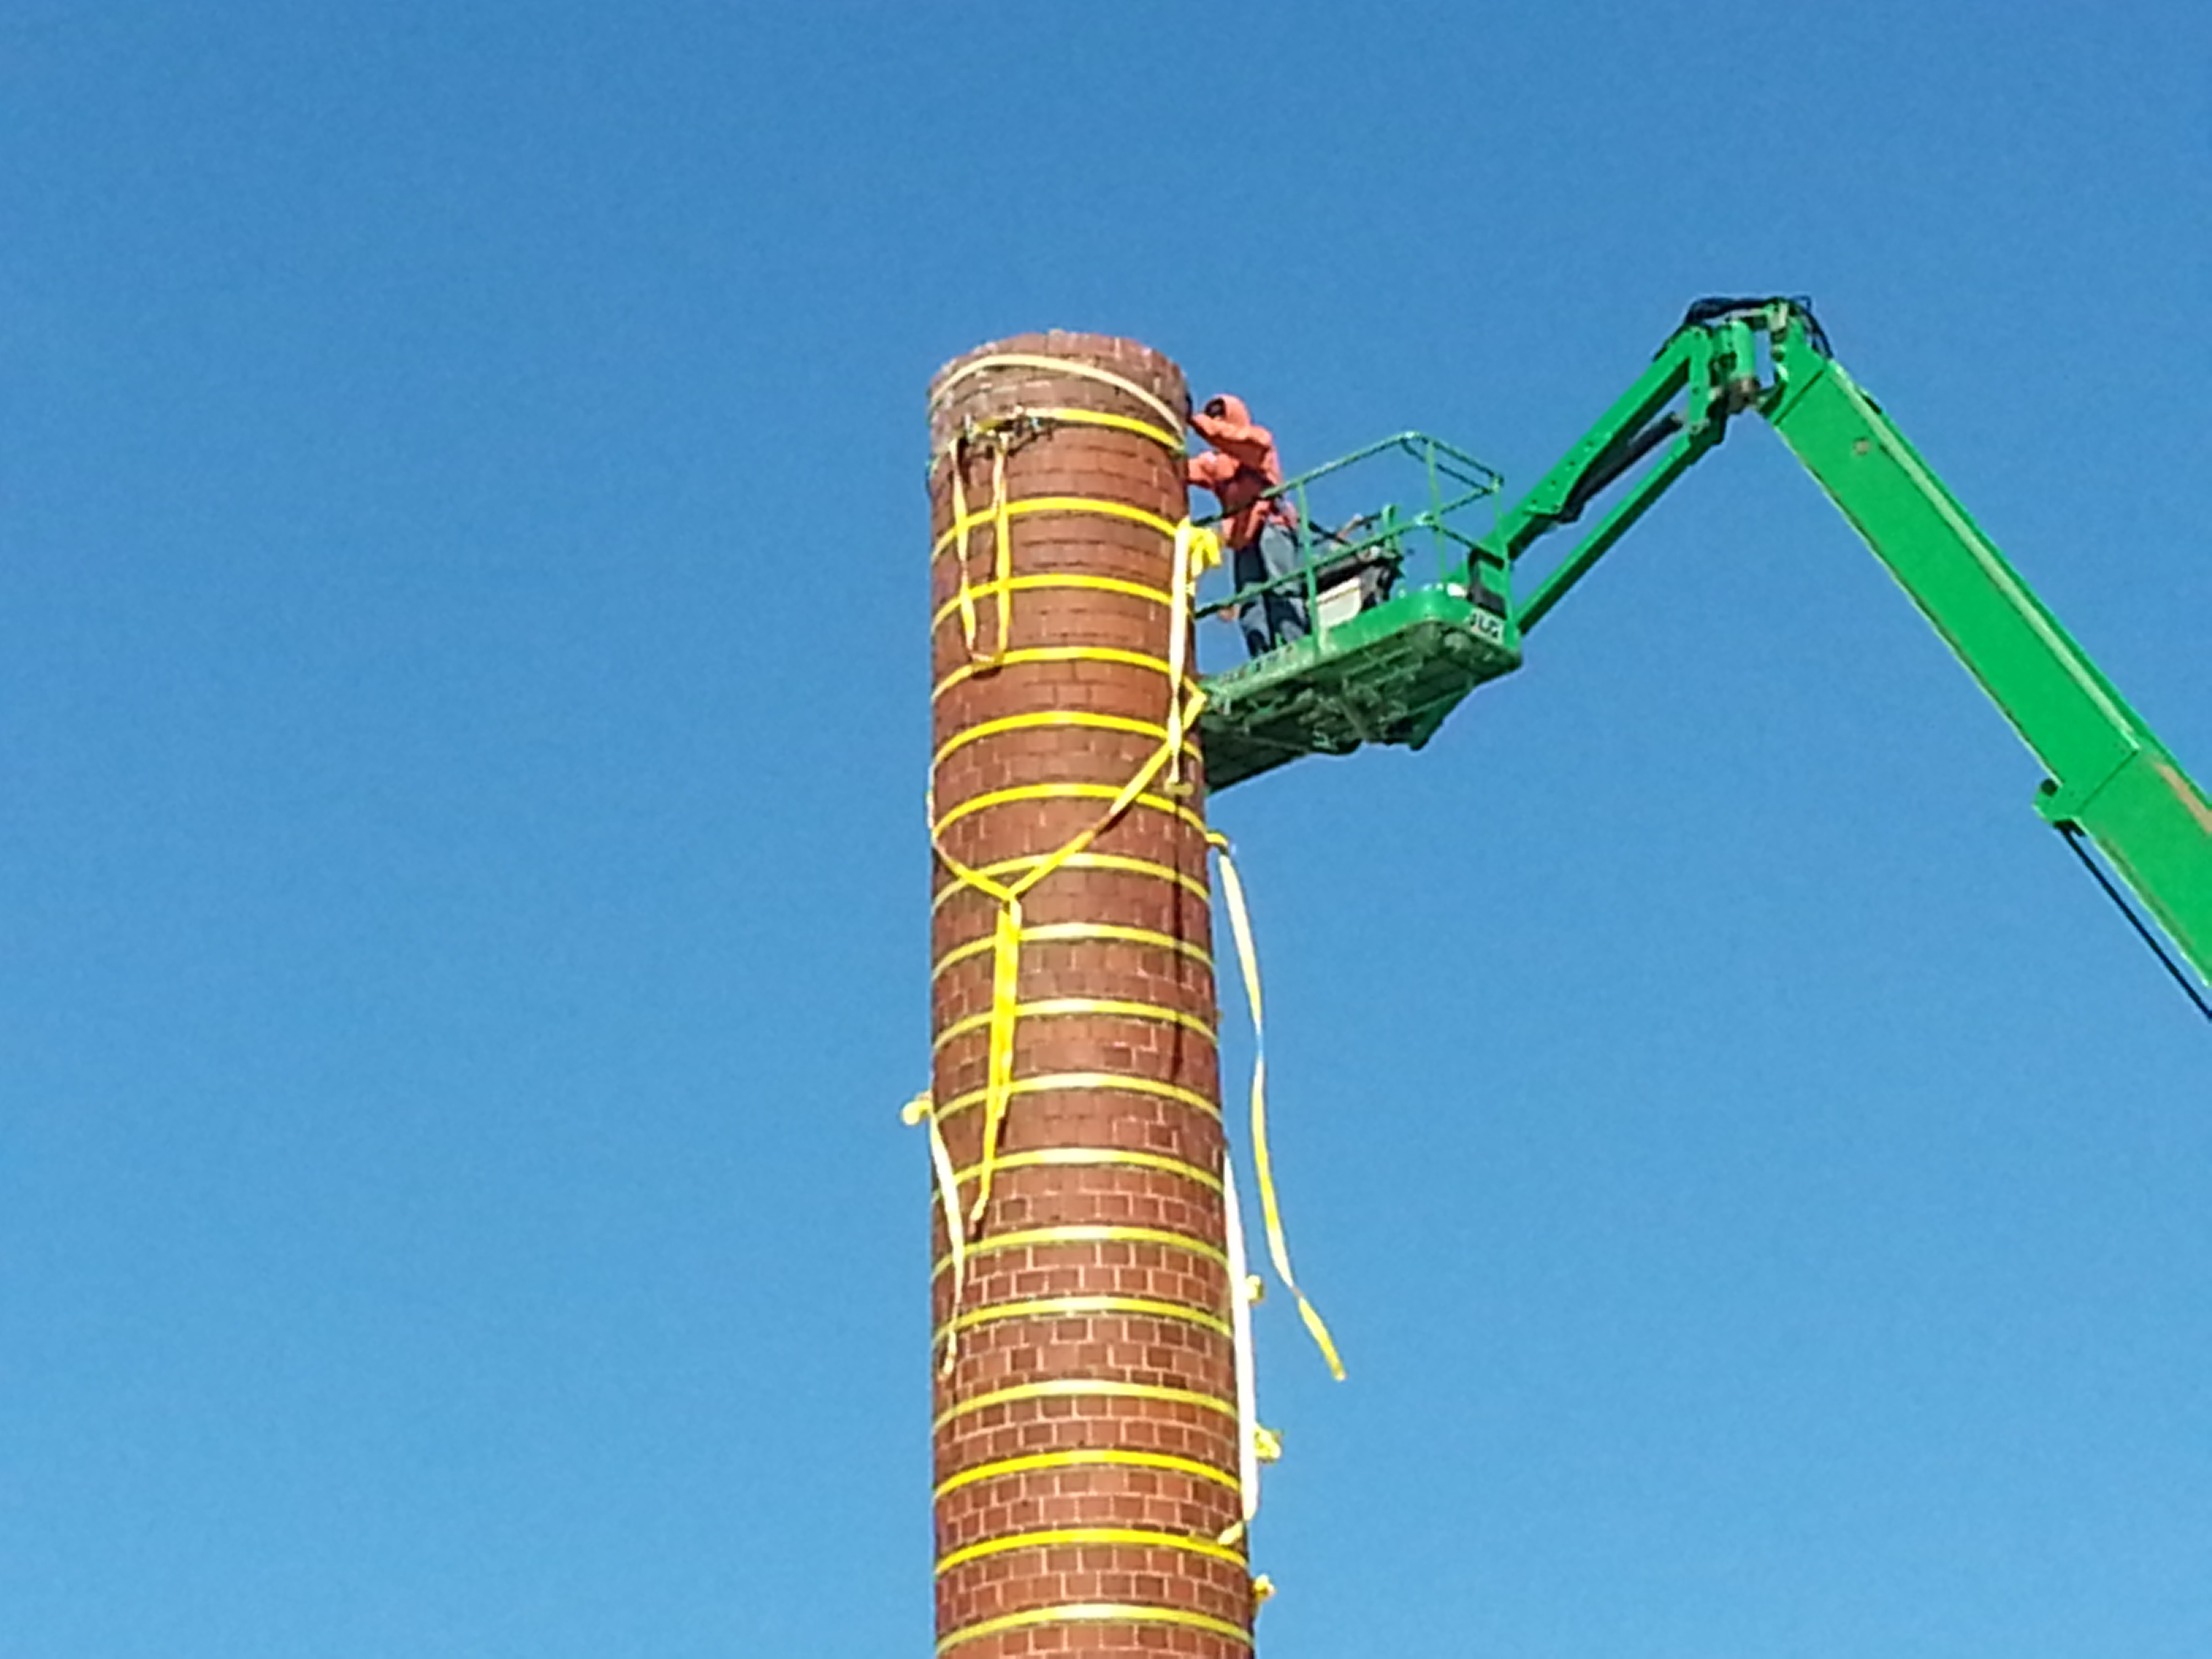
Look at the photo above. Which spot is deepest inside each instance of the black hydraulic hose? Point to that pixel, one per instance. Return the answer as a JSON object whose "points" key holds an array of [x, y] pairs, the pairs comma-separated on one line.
{"points": [[1715, 307], [2073, 834], [1616, 460]]}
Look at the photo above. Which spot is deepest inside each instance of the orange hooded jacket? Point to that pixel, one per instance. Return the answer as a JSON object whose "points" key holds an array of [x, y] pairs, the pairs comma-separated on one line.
{"points": [[1239, 468]]}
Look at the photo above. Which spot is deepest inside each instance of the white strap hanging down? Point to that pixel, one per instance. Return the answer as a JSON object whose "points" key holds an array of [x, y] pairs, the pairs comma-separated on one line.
{"points": [[1247, 1375]]}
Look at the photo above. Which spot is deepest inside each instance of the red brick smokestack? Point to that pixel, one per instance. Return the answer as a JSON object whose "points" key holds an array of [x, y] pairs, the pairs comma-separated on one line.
{"points": [[1086, 1430]]}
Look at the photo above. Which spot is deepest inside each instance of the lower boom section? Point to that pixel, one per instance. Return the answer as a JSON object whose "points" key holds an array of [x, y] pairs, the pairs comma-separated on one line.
{"points": [[2110, 775]]}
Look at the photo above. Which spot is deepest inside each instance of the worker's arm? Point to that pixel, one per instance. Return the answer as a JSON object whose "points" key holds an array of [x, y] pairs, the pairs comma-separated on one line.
{"points": [[1241, 442], [1209, 470]]}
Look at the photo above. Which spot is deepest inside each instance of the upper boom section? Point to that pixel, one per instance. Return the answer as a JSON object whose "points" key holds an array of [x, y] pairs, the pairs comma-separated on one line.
{"points": [[2110, 777]]}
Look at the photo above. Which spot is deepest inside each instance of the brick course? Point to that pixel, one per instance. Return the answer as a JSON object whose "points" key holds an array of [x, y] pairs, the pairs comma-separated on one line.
{"points": [[1143, 1439]]}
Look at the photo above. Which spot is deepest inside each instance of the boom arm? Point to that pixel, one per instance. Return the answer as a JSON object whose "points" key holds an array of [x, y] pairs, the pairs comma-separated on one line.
{"points": [[2110, 778]]}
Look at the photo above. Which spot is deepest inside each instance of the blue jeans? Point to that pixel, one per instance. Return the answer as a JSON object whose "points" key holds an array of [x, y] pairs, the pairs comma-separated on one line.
{"points": [[1279, 615]]}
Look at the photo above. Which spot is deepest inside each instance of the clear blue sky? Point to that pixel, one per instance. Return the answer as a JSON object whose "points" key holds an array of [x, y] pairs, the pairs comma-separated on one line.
{"points": [[462, 729]]}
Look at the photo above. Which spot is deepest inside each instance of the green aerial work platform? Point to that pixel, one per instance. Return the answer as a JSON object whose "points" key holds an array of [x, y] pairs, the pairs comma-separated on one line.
{"points": [[1386, 659]]}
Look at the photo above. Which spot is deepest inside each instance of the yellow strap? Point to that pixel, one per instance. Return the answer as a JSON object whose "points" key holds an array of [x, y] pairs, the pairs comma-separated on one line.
{"points": [[1132, 1537], [1113, 861], [1079, 1307], [1107, 1457], [1000, 434], [1034, 653], [918, 1110], [964, 599], [1006, 1008], [1054, 1007], [1002, 551], [1049, 1082], [1082, 1233], [1068, 579], [1084, 1387], [1196, 551], [1078, 932], [1001, 510], [1158, 434], [1043, 718], [1106, 1156], [1026, 792], [963, 522], [1060, 366], [1007, 956], [1094, 1613], [1026, 421], [1232, 891], [999, 516], [1244, 1292]]}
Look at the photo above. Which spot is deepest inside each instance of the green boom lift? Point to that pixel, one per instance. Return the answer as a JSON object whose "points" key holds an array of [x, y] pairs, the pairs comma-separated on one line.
{"points": [[1387, 658]]}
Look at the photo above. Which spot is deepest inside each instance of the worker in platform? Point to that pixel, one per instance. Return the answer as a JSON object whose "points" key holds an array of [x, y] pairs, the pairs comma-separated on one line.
{"points": [[1260, 533]]}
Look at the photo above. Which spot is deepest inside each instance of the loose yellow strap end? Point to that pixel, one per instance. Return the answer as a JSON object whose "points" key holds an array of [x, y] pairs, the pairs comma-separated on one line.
{"points": [[1263, 1166], [1322, 1339], [999, 1077], [922, 1110]]}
